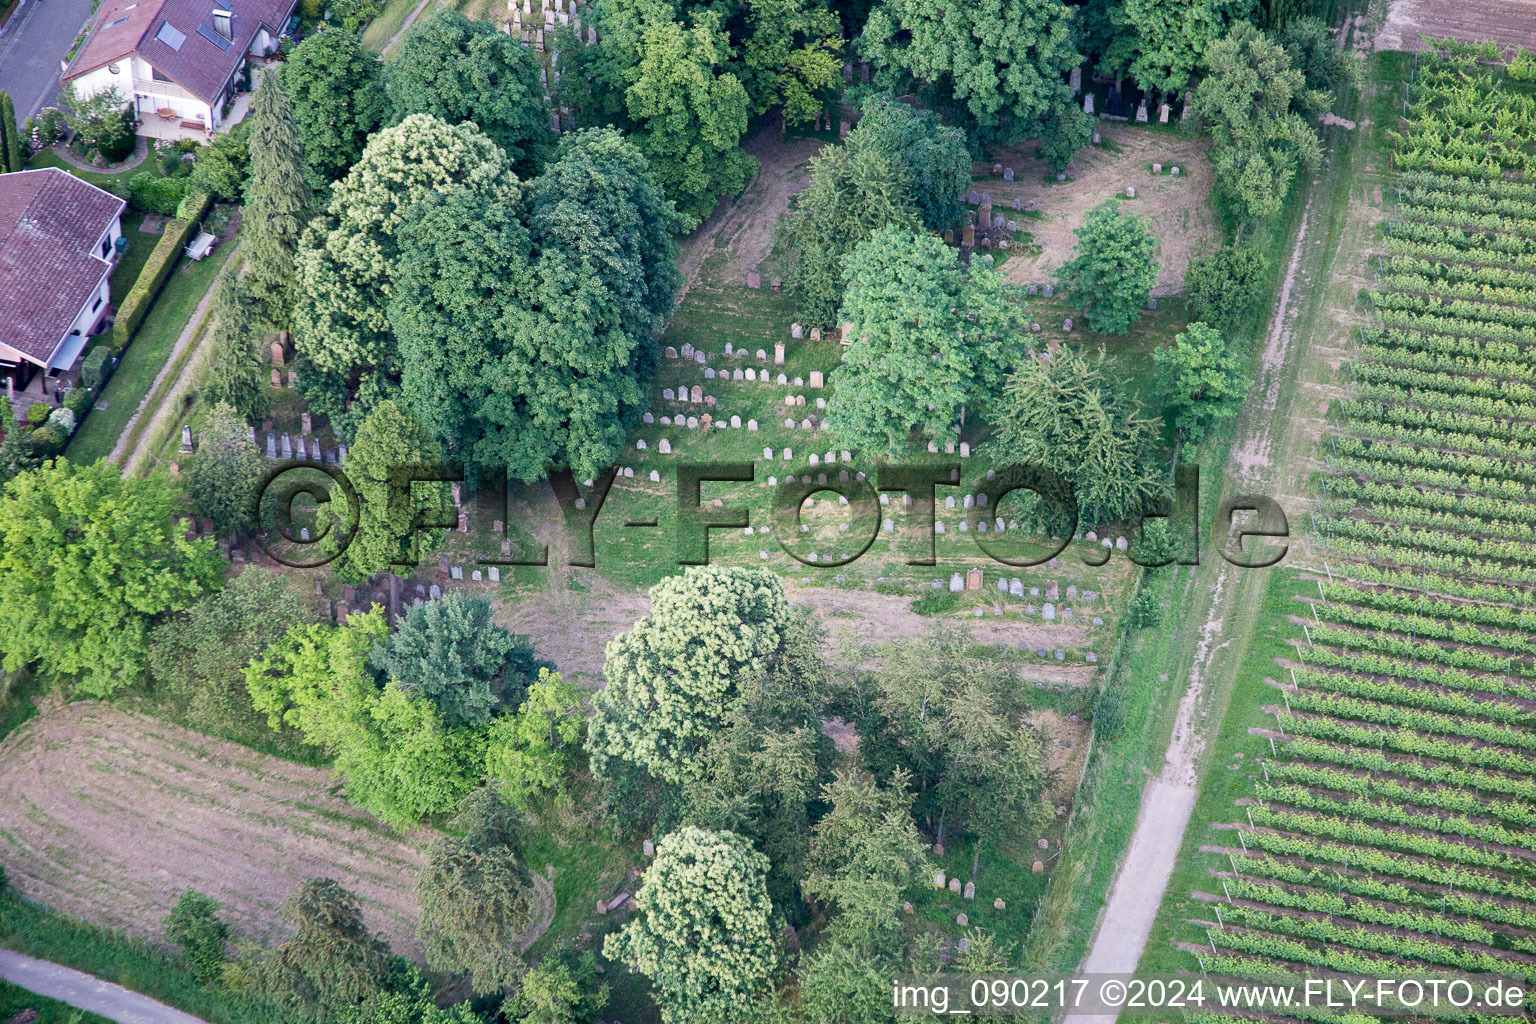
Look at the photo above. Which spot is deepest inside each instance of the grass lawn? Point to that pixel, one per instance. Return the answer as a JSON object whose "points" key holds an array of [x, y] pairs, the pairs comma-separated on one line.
{"points": [[146, 354], [140, 245], [115, 182], [15, 1001]]}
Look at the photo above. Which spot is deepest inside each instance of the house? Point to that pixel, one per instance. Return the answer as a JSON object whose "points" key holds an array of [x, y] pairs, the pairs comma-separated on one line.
{"points": [[58, 244], [178, 62]]}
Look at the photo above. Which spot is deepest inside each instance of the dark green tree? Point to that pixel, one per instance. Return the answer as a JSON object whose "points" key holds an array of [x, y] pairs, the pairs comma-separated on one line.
{"points": [[10, 139], [338, 101], [1067, 413], [332, 965], [1113, 268], [236, 372], [931, 157], [277, 200], [222, 168], [1311, 47], [999, 64], [193, 926], [932, 342], [1161, 45], [476, 896], [459, 70], [225, 471], [790, 54], [451, 652], [1225, 288]]}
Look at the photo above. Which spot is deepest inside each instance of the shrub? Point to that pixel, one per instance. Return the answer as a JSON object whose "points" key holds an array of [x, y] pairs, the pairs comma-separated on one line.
{"points": [[194, 927], [62, 421], [37, 413], [154, 194], [193, 204], [46, 441], [1522, 68], [93, 368], [77, 402], [1225, 288]]}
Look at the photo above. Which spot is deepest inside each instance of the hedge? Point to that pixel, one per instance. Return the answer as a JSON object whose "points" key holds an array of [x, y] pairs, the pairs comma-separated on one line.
{"points": [[132, 310], [153, 194]]}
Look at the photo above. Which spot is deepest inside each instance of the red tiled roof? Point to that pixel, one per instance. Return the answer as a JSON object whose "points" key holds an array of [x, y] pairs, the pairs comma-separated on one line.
{"points": [[50, 223], [198, 64]]}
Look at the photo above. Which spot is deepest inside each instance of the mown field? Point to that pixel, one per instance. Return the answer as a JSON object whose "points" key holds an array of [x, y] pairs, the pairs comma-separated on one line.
{"points": [[1391, 825]]}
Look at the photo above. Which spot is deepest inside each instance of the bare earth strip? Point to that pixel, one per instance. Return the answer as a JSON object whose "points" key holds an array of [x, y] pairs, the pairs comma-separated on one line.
{"points": [[109, 815], [1511, 22]]}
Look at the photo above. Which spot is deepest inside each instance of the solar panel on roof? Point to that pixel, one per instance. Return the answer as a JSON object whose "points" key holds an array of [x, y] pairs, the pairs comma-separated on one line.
{"points": [[171, 36], [119, 21], [213, 37]]}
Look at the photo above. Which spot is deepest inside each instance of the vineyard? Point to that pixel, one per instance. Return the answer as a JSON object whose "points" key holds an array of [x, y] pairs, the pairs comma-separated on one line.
{"points": [[1393, 830]]}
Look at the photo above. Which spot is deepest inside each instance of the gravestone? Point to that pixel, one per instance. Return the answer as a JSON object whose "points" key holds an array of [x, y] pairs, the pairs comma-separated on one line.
{"points": [[1141, 113], [1088, 105], [697, 395], [305, 423], [277, 378], [778, 353], [735, 422], [655, 476], [752, 373], [287, 447], [775, 284], [751, 424], [739, 375], [687, 351], [1075, 80], [664, 446], [709, 373], [1162, 113], [1016, 587], [956, 583], [271, 447], [754, 280], [475, 576], [1048, 612], [816, 380], [700, 358], [667, 394], [1007, 173], [640, 445], [973, 577]]}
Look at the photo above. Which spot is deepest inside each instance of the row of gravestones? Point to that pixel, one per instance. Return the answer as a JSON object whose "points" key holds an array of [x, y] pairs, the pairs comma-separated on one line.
{"points": [[668, 421], [303, 450]]}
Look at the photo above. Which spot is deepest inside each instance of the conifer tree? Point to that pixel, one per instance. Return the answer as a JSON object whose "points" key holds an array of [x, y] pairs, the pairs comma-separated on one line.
{"points": [[277, 199], [236, 374]]}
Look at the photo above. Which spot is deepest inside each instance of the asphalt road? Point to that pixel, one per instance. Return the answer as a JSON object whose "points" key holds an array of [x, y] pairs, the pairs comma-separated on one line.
{"points": [[86, 992], [36, 39]]}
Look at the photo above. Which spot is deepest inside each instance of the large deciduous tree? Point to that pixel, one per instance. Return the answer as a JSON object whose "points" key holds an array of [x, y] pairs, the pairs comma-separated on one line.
{"points": [[711, 630], [225, 471], [539, 746], [476, 896], [1161, 44], [931, 342], [277, 199], [997, 63], [1201, 380], [338, 101], [703, 933], [1067, 413], [1113, 268], [791, 57], [453, 653], [88, 561], [458, 70], [1225, 288]]}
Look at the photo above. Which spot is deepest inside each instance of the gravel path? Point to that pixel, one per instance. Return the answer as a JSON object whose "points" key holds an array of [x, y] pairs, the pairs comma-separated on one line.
{"points": [[86, 992]]}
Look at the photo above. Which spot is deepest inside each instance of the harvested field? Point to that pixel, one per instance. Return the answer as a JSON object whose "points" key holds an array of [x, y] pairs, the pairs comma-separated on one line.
{"points": [[1511, 22], [1178, 208], [109, 815]]}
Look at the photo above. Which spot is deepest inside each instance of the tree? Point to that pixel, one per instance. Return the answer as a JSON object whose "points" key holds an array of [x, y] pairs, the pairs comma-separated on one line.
{"points": [[842, 984], [560, 990], [196, 659], [791, 57], [539, 746], [1310, 45], [410, 1007], [1225, 288], [1067, 130], [88, 561], [225, 471], [476, 898], [332, 965], [957, 724], [399, 760], [931, 342], [1201, 381], [690, 112], [338, 101], [193, 926], [277, 199], [997, 63], [235, 376], [605, 281], [1258, 108], [100, 121], [222, 167], [459, 70], [1113, 268], [388, 522], [347, 260], [10, 142], [703, 934], [711, 630], [451, 652], [1160, 44], [1066, 413], [932, 158]]}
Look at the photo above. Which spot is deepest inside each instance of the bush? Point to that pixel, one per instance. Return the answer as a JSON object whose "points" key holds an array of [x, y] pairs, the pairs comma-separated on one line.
{"points": [[153, 194], [193, 204], [37, 413], [194, 927], [156, 269], [46, 441], [62, 421], [1225, 287], [77, 402], [1522, 68], [93, 368], [1108, 714]]}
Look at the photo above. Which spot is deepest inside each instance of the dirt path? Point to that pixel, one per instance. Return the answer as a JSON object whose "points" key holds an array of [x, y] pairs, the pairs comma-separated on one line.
{"points": [[87, 992], [109, 815], [409, 21], [1279, 432], [167, 408]]}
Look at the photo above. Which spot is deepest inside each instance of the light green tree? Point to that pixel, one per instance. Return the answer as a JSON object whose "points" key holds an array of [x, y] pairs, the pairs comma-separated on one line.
{"points": [[224, 472], [1067, 413], [710, 631], [791, 57], [1201, 381], [997, 63], [88, 561], [931, 343], [457, 69], [537, 748], [562, 989], [476, 897], [278, 204], [338, 101], [1113, 268], [703, 933]]}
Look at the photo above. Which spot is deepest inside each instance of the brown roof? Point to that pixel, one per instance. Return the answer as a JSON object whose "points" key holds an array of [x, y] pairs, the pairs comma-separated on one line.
{"points": [[50, 223], [196, 62]]}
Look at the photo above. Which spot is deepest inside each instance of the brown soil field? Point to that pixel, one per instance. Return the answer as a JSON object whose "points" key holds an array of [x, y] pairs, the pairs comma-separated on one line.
{"points": [[1178, 208], [1511, 22], [108, 815]]}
